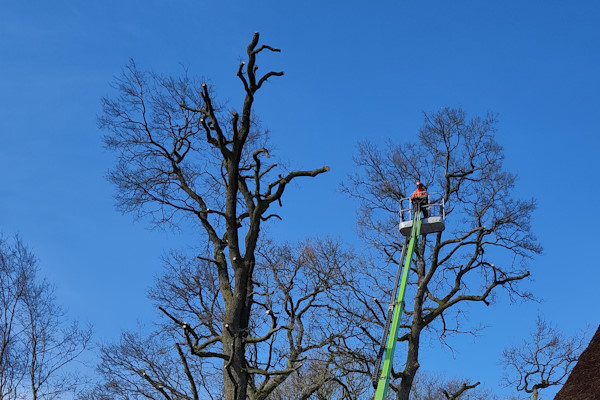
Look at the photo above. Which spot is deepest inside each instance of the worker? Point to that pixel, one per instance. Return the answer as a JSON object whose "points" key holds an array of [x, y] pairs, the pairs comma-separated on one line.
{"points": [[420, 197]]}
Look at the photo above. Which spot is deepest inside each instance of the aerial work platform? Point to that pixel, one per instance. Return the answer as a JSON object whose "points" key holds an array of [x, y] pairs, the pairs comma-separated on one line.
{"points": [[431, 224], [412, 228], [428, 225]]}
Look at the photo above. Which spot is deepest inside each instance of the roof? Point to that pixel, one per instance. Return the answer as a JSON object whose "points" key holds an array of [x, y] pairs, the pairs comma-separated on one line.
{"points": [[583, 382]]}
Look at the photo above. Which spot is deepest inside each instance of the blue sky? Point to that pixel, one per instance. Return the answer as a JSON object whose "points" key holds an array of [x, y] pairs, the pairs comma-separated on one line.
{"points": [[354, 71]]}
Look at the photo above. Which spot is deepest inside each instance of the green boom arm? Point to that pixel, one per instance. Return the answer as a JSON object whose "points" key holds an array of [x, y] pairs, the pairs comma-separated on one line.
{"points": [[384, 379]]}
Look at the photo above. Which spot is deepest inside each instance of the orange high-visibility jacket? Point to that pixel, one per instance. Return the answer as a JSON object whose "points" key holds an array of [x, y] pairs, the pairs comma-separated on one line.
{"points": [[419, 194]]}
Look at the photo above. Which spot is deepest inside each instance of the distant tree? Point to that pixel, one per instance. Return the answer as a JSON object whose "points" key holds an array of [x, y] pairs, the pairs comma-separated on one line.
{"points": [[235, 311], [485, 247], [545, 360], [16, 263], [319, 381], [435, 387], [36, 341]]}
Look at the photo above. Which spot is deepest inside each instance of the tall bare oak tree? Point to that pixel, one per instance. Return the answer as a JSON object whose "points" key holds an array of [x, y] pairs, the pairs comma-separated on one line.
{"points": [[485, 247], [182, 155]]}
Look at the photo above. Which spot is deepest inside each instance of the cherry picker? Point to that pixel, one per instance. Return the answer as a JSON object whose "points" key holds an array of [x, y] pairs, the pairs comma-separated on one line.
{"points": [[412, 229]]}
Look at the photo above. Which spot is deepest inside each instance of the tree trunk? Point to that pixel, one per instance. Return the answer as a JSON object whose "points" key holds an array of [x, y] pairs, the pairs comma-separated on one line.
{"points": [[235, 379], [412, 355], [235, 331], [412, 365]]}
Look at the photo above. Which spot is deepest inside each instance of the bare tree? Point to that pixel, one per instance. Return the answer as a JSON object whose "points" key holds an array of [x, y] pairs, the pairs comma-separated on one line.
{"points": [[52, 343], [37, 342], [182, 157], [485, 247], [318, 380], [16, 263], [543, 361], [288, 338], [428, 386]]}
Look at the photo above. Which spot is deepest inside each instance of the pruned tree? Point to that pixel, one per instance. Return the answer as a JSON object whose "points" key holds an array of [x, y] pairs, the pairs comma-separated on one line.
{"points": [[545, 360], [484, 248], [37, 342], [181, 156]]}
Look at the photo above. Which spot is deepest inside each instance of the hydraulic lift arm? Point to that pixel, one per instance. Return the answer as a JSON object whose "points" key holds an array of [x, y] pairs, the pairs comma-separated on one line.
{"points": [[397, 304]]}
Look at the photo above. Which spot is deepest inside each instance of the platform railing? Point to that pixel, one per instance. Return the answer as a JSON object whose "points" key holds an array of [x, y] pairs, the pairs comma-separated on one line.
{"points": [[431, 207]]}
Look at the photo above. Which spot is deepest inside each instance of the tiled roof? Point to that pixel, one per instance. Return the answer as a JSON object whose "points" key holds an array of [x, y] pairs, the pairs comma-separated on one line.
{"points": [[584, 381]]}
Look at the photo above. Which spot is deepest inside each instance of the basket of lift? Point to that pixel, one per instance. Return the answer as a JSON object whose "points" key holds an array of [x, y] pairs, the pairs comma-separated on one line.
{"points": [[435, 222]]}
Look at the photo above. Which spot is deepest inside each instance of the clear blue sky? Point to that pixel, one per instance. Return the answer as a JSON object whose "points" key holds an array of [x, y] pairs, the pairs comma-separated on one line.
{"points": [[353, 71]]}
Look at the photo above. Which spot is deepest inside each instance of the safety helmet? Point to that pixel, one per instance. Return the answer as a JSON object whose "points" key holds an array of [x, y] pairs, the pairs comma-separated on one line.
{"points": [[419, 183]]}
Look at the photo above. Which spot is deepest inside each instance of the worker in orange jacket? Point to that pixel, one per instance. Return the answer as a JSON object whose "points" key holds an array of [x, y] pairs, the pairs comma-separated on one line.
{"points": [[421, 197]]}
